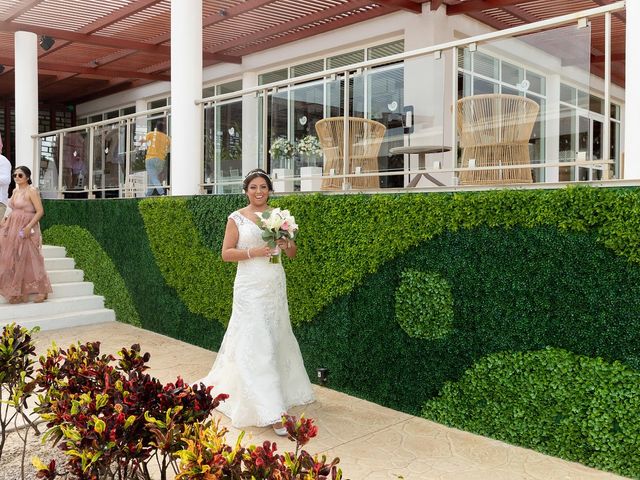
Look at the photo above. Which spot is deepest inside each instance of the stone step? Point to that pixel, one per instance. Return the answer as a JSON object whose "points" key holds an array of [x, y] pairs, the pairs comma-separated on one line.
{"points": [[65, 276], [53, 306], [66, 320], [69, 289], [53, 251], [59, 263], [72, 302]]}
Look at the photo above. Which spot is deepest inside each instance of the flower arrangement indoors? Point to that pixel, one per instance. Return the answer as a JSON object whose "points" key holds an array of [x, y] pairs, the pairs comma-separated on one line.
{"points": [[281, 152]]}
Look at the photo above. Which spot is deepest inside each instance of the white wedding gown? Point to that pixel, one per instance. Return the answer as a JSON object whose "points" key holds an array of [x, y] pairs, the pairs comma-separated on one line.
{"points": [[259, 364]]}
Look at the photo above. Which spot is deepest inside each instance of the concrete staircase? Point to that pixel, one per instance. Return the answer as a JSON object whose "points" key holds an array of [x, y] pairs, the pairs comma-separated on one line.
{"points": [[71, 304]]}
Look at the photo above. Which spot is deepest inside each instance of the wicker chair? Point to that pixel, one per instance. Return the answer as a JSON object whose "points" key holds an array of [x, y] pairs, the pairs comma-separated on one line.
{"points": [[495, 130], [365, 138]]}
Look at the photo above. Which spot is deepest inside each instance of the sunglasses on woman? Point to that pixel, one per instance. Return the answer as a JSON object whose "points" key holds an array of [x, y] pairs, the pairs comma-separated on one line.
{"points": [[18, 175]]}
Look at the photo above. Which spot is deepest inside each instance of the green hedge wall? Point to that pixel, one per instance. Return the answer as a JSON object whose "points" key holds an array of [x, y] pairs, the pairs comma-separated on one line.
{"points": [[575, 407], [527, 270], [118, 227], [97, 267]]}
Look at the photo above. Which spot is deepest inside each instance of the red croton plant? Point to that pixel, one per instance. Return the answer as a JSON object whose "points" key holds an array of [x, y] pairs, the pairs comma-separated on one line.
{"points": [[113, 420]]}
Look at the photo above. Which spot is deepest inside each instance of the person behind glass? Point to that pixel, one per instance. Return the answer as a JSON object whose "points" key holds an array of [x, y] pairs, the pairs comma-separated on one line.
{"points": [[259, 364], [158, 144], [22, 271], [5, 181]]}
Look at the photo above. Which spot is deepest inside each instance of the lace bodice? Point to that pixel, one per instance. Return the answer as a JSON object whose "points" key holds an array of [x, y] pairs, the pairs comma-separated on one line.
{"points": [[259, 363]]}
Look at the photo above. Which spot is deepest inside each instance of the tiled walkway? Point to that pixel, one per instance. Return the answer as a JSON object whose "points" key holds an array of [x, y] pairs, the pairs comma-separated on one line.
{"points": [[373, 442]]}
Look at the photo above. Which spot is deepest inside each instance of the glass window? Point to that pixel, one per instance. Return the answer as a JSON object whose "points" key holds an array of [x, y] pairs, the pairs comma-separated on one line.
{"points": [[596, 104], [537, 83], [615, 111], [511, 91], [567, 94], [567, 134], [385, 50], [485, 65], [345, 59], [307, 68], [275, 76], [464, 85], [128, 110], [229, 87], [162, 102], [481, 86], [95, 118], [464, 58], [583, 99], [208, 91], [112, 114], [512, 74]]}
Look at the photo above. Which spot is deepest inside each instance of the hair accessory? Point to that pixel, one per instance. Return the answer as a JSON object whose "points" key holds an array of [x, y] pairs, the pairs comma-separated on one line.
{"points": [[258, 171]]}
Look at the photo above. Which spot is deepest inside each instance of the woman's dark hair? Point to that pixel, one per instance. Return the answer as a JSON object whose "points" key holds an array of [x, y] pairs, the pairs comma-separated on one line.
{"points": [[26, 171], [255, 173]]}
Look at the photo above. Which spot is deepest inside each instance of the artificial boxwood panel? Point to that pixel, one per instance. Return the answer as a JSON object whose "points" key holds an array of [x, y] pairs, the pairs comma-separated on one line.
{"points": [[97, 267], [575, 407], [513, 290], [344, 238], [117, 226], [527, 270]]}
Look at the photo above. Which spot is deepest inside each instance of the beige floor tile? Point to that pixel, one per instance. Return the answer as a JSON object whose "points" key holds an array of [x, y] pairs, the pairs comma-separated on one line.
{"points": [[419, 449], [373, 442]]}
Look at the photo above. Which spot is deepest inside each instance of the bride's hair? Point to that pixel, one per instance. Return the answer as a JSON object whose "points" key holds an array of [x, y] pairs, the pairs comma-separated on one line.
{"points": [[255, 173]]}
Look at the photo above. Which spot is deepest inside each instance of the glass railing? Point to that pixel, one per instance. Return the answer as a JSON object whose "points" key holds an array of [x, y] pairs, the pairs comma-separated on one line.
{"points": [[513, 107], [112, 158]]}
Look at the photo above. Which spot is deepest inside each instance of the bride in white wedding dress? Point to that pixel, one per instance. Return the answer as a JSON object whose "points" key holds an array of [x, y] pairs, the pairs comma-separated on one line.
{"points": [[259, 364]]}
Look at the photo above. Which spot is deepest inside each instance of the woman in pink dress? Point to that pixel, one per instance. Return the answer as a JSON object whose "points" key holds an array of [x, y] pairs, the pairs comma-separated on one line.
{"points": [[22, 271]]}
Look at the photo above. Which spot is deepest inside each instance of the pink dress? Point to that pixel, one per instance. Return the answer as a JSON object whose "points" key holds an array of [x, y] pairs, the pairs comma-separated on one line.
{"points": [[22, 270]]}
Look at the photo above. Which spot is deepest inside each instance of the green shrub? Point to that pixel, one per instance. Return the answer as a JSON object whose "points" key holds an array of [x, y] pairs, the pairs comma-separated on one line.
{"points": [[98, 268], [578, 408], [424, 305]]}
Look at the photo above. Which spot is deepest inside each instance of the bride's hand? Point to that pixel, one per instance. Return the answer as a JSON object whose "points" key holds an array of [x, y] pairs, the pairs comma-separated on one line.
{"points": [[261, 251]]}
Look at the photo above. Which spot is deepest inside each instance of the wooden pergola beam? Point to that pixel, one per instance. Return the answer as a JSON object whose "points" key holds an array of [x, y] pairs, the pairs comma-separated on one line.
{"points": [[105, 41], [402, 5], [326, 27], [19, 9], [286, 26], [475, 6], [88, 71]]}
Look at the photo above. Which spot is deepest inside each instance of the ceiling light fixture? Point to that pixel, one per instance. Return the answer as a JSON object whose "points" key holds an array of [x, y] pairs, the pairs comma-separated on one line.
{"points": [[46, 42]]}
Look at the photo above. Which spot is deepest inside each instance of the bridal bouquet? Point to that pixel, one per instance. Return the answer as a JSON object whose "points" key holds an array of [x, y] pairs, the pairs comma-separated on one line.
{"points": [[276, 224]]}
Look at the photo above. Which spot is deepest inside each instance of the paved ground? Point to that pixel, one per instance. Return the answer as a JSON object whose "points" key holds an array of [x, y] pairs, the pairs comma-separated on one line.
{"points": [[373, 442]]}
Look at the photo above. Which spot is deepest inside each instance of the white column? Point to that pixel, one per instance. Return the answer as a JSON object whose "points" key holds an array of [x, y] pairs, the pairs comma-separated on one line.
{"points": [[186, 88], [632, 94], [26, 100], [250, 124]]}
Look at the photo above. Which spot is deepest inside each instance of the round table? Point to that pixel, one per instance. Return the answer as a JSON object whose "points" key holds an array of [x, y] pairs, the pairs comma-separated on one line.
{"points": [[422, 151]]}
